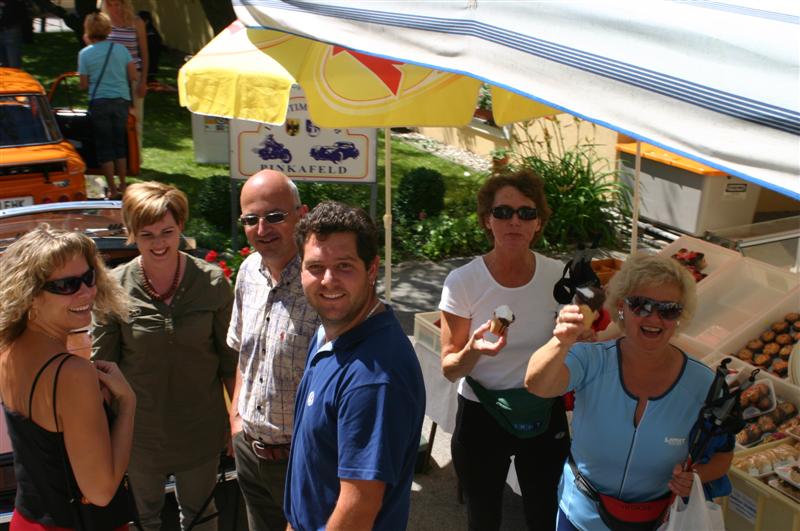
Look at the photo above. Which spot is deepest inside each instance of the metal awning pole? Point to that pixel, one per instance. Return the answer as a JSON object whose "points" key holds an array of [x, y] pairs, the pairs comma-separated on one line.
{"points": [[635, 221], [387, 217]]}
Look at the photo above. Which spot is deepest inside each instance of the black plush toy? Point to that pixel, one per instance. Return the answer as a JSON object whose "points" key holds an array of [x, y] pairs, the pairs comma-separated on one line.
{"points": [[578, 273]]}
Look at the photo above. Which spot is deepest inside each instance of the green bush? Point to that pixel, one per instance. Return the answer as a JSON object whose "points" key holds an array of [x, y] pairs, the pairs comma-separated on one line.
{"points": [[213, 202], [207, 236], [312, 193], [441, 237], [420, 195]]}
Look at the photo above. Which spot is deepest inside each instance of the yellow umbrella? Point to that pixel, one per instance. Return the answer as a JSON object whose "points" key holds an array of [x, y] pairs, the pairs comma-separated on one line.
{"points": [[248, 74]]}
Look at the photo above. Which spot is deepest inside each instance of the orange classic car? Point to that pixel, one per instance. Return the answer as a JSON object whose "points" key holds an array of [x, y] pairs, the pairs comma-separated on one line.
{"points": [[37, 165]]}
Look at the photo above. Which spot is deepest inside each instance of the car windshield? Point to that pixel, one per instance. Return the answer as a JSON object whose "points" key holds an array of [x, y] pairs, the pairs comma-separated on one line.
{"points": [[26, 120]]}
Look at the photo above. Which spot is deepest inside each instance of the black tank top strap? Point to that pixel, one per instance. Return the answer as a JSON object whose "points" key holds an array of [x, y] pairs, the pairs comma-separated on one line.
{"points": [[55, 384], [36, 380]]}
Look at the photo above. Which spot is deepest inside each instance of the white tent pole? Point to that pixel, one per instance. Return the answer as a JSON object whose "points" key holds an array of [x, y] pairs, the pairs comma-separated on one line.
{"points": [[387, 217], [635, 222]]}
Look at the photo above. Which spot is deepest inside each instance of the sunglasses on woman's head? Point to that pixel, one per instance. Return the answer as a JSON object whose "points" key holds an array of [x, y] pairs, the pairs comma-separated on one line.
{"points": [[507, 212], [70, 285], [644, 306], [274, 217]]}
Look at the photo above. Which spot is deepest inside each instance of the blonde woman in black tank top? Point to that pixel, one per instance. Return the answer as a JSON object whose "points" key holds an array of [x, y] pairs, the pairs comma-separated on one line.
{"points": [[65, 447]]}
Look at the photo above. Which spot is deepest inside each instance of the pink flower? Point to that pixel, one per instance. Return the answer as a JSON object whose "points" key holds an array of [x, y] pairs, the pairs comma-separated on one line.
{"points": [[211, 256], [223, 264], [244, 251], [227, 271]]}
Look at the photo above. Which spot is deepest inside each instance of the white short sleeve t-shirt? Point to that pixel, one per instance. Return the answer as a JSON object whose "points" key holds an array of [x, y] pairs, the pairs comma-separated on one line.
{"points": [[472, 293]]}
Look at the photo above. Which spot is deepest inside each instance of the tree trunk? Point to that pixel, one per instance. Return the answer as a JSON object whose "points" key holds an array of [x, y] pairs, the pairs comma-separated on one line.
{"points": [[219, 13], [74, 21]]}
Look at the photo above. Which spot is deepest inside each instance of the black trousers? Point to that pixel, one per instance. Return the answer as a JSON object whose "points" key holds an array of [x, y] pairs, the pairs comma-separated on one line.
{"points": [[481, 452]]}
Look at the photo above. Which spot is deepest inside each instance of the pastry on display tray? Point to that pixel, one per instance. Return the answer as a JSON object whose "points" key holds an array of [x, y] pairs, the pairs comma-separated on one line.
{"points": [[763, 463], [769, 425], [694, 261], [785, 488], [790, 474], [772, 349], [758, 399]]}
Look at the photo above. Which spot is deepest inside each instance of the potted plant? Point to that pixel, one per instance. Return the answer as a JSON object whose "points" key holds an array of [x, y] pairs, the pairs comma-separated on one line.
{"points": [[484, 109], [500, 159]]}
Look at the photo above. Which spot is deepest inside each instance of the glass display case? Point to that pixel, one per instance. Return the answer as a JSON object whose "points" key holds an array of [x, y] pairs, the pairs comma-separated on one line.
{"points": [[776, 242]]}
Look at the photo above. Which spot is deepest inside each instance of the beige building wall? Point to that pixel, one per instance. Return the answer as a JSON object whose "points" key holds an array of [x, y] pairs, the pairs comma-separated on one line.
{"points": [[182, 23], [482, 139]]}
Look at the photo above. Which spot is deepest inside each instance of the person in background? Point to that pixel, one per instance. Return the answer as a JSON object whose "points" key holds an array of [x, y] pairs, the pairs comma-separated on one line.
{"points": [[65, 446], [154, 44], [271, 327], [636, 398], [129, 31], [359, 408], [513, 211], [108, 72], [14, 22], [173, 352]]}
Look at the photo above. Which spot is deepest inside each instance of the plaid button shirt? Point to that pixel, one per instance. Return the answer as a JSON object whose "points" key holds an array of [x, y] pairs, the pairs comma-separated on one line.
{"points": [[271, 327]]}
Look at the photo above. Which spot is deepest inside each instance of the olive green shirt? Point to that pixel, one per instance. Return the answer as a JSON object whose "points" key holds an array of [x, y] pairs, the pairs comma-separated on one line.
{"points": [[174, 357]]}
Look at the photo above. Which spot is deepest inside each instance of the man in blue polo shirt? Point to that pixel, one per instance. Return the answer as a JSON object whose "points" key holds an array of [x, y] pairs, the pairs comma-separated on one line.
{"points": [[360, 405]]}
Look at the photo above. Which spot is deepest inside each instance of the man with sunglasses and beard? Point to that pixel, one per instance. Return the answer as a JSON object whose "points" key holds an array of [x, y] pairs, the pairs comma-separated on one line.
{"points": [[360, 405], [271, 327], [636, 399]]}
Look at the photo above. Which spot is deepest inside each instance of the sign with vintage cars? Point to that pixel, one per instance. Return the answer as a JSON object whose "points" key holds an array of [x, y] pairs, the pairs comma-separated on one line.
{"points": [[302, 150]]}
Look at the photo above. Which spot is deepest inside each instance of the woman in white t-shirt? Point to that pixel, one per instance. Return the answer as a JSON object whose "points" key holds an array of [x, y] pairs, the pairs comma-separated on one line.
{"points": [[513, 210]]}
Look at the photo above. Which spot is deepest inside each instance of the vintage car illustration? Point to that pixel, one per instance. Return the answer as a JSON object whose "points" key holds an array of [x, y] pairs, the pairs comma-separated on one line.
{"points": [[335, 153]]}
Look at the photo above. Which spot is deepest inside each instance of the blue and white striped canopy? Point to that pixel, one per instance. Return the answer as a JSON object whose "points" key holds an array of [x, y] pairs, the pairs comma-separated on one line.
{"points": [[717, 82]]}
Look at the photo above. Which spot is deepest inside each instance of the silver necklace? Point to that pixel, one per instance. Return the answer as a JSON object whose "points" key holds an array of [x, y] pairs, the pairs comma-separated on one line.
{"points": [[373, 310]]}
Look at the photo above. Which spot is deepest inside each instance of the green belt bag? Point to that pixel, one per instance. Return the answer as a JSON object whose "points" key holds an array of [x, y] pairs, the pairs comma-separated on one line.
{"points": [[519, 412]]}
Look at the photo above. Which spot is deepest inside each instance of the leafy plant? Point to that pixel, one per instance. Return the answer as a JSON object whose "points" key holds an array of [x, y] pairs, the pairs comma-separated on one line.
{"points": [[485, 97], [206, 235], [440, 237], [500, 153], [213, 201], [420, 195], [582, 190], [228, 260]]}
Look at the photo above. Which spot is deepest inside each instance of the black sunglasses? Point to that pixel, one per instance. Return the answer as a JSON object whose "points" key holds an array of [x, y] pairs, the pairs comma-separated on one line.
{"points": [[643, 306], [274, 217], [70, 285], [507, 212]]}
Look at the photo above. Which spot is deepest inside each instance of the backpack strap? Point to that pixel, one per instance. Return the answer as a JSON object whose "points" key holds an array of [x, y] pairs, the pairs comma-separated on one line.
{"points": [[36, 380], [102, 71]]}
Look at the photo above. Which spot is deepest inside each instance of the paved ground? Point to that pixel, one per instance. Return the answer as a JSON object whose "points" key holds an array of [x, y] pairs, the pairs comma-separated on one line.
{"points": [[417, 287]]}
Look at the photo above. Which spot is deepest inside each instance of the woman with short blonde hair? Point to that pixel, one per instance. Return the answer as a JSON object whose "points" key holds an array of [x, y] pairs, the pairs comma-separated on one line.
{"points": [[636, 401], [145, 203], [69, 457], [107, 72], [175, 354]]}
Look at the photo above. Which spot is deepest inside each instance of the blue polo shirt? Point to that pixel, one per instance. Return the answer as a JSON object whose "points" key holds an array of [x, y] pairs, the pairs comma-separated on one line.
{"points": [[358, 415], [633, 463]]}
